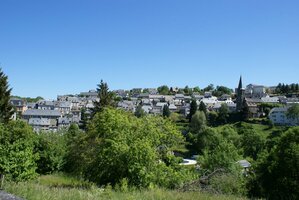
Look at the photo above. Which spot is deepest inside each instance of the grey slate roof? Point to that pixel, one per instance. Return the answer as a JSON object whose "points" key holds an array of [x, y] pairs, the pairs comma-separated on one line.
{"points": [[38, 112]]}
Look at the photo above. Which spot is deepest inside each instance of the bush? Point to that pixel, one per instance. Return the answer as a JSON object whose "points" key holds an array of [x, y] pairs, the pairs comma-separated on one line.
{"points": [[51, 147], [17, 157]]}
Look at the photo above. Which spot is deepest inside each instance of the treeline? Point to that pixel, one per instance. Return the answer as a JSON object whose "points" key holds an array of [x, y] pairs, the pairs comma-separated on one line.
{"points": [[287, 88], [216, 91]]}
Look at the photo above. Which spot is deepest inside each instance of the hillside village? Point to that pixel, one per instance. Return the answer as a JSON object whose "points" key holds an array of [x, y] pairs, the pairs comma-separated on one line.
{"points": [[51, 115]]}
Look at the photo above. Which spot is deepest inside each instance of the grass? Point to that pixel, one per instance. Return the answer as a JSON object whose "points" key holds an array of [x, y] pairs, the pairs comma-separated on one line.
{"points": [[62, 187]]}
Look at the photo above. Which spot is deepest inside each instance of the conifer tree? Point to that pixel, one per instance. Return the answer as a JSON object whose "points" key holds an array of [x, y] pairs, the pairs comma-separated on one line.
{"points": [[105, 96], [166, 111], [6, 109]]}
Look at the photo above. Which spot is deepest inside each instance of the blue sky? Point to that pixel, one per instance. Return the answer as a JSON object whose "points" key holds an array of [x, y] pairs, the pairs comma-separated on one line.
{"points": [[55, 47]]}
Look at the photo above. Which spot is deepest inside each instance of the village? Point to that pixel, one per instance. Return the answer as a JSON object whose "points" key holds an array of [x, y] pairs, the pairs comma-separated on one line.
{"points": [[52, 115]]}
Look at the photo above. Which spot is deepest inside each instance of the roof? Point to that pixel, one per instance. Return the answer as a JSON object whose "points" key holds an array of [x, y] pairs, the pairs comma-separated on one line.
{"points": [[38, 112], [39, 121], [244, 163]]}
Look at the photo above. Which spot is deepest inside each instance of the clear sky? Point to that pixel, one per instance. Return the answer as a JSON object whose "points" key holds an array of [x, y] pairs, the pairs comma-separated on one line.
{"points": [[50, 47]]}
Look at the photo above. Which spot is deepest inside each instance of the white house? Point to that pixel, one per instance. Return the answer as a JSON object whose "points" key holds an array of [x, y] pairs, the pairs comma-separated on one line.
{"points": [[278, 116]]}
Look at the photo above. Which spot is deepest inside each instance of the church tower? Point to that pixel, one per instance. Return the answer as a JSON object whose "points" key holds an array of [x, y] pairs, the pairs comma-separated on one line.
{"points": [[240, 96]]}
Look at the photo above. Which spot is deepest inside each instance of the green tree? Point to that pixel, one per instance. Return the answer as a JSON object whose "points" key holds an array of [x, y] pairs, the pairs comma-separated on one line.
{"points": [[187, 90], [223, 113], [203, 107], [164, 90], [198, 122], [212, 118], [197, 89], [17, 156], [166, 111], [51, 147], [105, 96], [209, 88], [277, 173], [120, 146], [139, 112], [193, 109], [252, 143], [6, 109], [293, 112]]}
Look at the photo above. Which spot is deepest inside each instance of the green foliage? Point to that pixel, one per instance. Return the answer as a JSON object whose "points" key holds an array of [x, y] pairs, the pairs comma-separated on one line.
{"points": [[293, 112], [61, 187], [223, 113], [118, 145], [231, 183], [252, 143], [203, 107], [198, 122], [6, 109], [212, 118], [193, 109], [17, 157], [139, 112], [51, 147], [106, 97], [164, 90], [277, 172], [222, 156], [166, 111], [220, 90]]}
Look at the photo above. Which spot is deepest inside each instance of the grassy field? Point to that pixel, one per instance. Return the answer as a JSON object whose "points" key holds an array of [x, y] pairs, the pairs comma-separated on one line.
{"points": [[61, 187]]}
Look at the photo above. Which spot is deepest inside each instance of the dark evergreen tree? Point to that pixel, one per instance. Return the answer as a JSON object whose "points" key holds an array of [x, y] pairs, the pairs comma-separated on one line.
{"points": [[139, 112], [203, 107], [166, 111], [193, 109], [105, 96], [6, 109]]}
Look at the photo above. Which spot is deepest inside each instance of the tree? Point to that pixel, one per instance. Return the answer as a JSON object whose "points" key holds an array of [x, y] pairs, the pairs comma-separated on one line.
{"points": [[198, 122], [105, 96], [277, 172], [164, 90], [209, 88], [252, 143], [6, 109], [212, 118], [17, 155], [196, 89], [293, 112], [223, 113], [193, 109], [202, 107], [166, 111], [187, 90], [139, 112], [51, 147], [120, 146]]}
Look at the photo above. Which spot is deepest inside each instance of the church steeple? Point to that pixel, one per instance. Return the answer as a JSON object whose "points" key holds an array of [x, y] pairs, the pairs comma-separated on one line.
{"points": [[240, 83], [240, 96]]}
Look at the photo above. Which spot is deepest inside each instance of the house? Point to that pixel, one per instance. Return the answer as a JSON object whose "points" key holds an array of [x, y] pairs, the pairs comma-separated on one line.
{"points": [[268, 99], [278, 116], [19, 104], [64, 107], [45, 117], [256, 91], [45, 105], [41, 124]]}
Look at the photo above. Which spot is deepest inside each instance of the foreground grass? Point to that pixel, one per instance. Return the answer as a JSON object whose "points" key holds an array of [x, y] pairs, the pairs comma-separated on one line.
{"points": [[60, 187]]}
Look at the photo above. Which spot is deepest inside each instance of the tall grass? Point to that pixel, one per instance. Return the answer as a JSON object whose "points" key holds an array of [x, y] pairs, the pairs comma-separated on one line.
{"points": [[61, 187]]}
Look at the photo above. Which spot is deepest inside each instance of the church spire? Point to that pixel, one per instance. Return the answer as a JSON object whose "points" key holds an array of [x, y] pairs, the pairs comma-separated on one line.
{"points": [[240, 83]]}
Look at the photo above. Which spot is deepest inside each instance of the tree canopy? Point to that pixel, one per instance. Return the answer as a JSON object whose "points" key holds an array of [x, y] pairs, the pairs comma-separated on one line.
{"points": [[6, 109]]}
